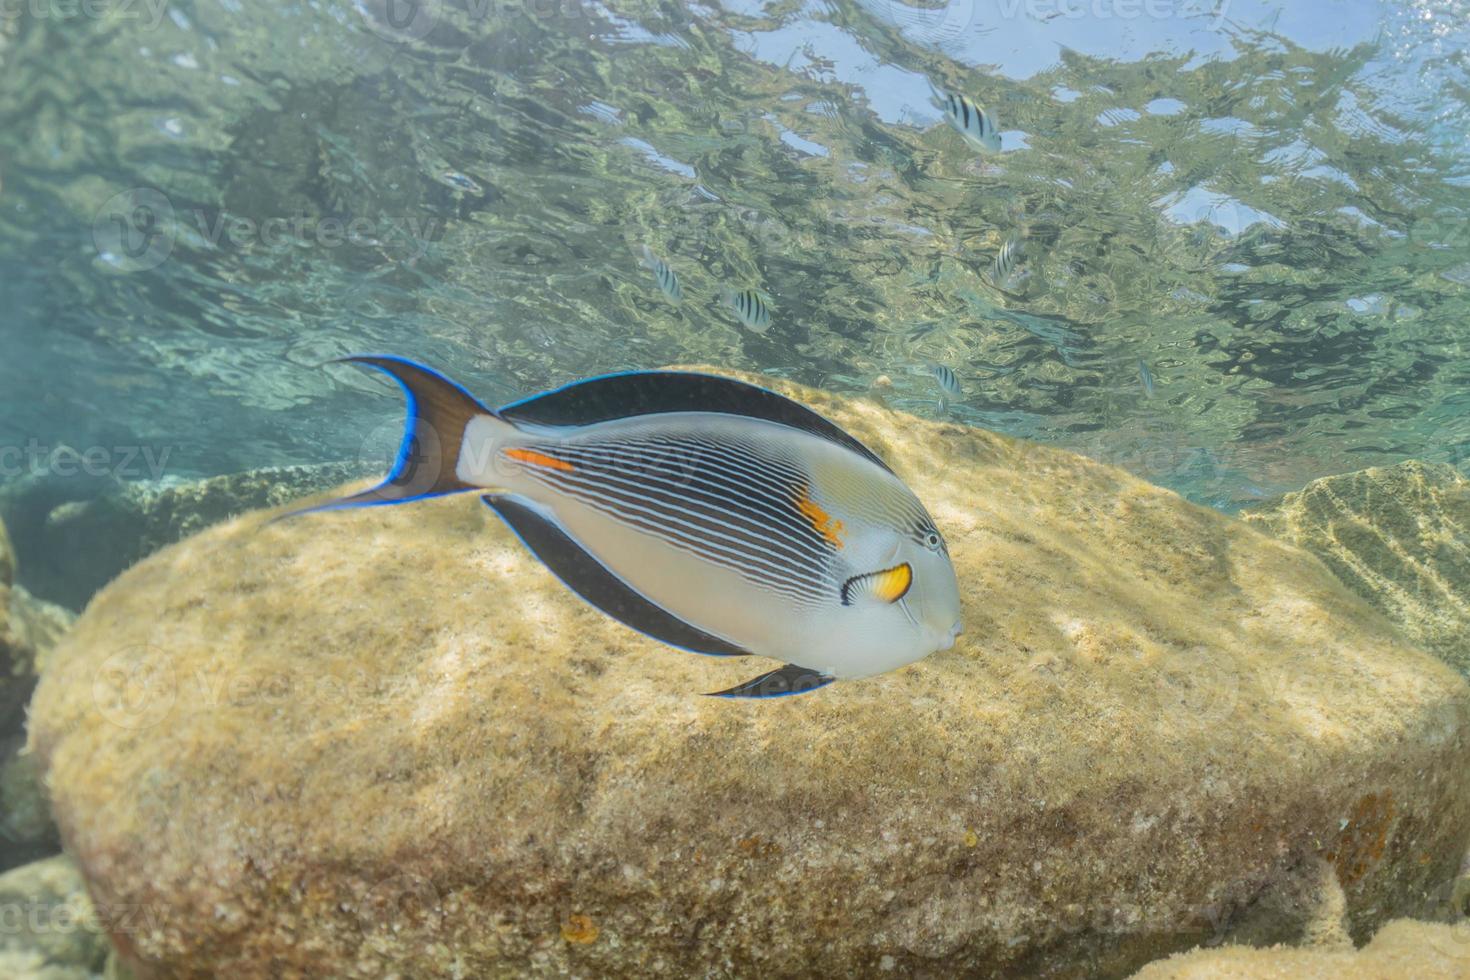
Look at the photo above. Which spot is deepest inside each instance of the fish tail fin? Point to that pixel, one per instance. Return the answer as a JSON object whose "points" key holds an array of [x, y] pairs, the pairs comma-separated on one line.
{"points": [[936, 94], [427, 464], [649, 260]]}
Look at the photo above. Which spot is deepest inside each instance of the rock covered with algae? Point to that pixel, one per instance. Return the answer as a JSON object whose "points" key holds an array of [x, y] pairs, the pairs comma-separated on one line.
{"points": [[49, 929], [1399, 536], [388, 742], [1401, 949], [29, 629]]}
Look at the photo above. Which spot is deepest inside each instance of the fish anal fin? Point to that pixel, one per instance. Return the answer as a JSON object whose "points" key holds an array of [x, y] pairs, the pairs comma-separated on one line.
{"points": [[781, 683], [594, 582]]}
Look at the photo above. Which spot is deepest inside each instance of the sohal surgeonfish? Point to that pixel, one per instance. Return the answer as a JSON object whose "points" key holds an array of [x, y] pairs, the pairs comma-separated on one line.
{"points": [[713, 515]]}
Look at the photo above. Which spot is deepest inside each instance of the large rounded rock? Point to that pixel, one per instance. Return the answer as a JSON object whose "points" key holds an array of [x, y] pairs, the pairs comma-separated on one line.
{"points": [[1399, 536], [387, 742]]}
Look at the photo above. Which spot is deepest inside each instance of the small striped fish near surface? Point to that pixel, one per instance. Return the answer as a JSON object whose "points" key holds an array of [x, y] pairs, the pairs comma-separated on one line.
{"points": [[945, 378], [707, 513], [977, 126], [1003, 269], [751, 307], [663, 275]]}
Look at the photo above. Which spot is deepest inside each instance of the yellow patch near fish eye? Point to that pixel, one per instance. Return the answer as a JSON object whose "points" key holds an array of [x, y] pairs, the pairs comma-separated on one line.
{"points": [[893, 584], [822, 522], [534, 458]]}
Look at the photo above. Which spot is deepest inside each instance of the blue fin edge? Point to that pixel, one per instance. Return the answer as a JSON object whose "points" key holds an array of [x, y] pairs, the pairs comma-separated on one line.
{"points": [[411, 414]]}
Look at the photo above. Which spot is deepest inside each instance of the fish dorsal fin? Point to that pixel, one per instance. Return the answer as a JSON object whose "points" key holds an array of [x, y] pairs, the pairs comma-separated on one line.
{"points": [[618, 396]]}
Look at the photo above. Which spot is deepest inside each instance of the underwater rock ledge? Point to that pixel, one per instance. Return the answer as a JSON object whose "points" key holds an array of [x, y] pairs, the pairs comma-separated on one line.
{"points": [[1403, 948], [388, 741], [74, 536], [1399, 536]]}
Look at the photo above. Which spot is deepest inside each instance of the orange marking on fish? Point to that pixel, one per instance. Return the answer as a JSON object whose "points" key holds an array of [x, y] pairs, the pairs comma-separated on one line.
{"points": [[821, 521], [534, 458]]}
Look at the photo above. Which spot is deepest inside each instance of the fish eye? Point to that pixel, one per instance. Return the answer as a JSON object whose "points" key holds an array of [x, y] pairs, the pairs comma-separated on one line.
{"points": [[932, 541]]}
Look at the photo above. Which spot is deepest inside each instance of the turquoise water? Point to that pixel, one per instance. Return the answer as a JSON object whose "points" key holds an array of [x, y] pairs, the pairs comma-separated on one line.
{"points": [[1223, 244], [1246, 256]]}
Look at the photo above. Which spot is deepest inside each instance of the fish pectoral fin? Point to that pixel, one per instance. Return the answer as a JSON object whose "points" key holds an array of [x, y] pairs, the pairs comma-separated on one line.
{"points": [[585, 575], [790, 679], [887, 585]]}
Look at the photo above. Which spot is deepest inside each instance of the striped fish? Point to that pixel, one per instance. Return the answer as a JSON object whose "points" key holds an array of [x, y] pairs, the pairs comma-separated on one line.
{"points": [[1003, 269], [977, 126], [1147, 377], [945, 378], [663, 275], [751, 307], [706, 513]]}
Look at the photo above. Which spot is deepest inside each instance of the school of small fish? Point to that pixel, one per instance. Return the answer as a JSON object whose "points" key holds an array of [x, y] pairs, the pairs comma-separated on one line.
{"points": [[750, 306], [980, 128]]}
